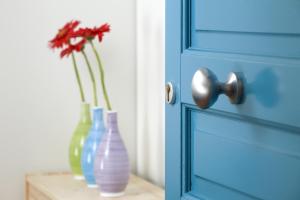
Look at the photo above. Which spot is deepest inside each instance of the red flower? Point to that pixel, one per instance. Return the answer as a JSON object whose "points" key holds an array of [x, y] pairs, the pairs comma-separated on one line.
{"points": [[87, 33], [76, 47], [90, 34], [64, 35], [101, 30]]}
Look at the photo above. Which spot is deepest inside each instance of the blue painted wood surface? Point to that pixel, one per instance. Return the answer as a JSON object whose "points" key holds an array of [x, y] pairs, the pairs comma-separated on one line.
{"points": [[269, 27], [173, 120], [234, 152]]}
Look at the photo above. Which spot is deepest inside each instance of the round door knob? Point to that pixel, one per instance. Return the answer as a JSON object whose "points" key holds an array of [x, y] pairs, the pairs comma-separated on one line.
{"points": [[206, 88]]}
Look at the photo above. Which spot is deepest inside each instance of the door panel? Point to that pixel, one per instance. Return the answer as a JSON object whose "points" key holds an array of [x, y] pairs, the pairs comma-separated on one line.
{"points": [[271, 84], [256, 16], [258, 160], [256, 27]]}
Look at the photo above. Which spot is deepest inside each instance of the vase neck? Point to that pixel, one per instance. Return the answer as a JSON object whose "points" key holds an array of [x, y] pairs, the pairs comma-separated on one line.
{"points": [[112, 120], [85, 114], [97, 117]]}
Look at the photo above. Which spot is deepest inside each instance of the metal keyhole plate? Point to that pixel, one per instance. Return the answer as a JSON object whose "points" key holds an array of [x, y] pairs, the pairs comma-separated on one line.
{"points": [[170, 93]]}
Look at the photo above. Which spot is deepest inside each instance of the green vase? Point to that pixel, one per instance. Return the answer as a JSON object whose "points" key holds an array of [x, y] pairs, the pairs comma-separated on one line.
{"points": [[78, 139]]}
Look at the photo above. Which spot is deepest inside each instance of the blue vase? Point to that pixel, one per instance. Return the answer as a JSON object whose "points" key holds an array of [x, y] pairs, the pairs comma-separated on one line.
{"points": [[90, 146]]}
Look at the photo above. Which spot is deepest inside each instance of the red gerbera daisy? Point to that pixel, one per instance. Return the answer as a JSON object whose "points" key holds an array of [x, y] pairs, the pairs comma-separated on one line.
{"points": [[90, 34], [101, 30], [64, 35], [73, 47], [87, 33]]}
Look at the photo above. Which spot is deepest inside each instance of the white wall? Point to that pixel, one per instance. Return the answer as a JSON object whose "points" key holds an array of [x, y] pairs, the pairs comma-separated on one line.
{"points": [[150, 90], [39, 100]]}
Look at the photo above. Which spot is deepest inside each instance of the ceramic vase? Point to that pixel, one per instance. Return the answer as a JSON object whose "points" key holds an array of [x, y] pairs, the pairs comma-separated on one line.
{"points": [[111, 161], [78, 139], [90, 146]]}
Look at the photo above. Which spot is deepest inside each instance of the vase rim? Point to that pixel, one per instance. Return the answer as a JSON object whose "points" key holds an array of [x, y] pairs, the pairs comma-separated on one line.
{"points": [[111, 111], [97, 108]]}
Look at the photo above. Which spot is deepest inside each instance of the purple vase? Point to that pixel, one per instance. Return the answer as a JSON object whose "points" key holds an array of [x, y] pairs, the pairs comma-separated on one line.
{"points": [[111, 163]]}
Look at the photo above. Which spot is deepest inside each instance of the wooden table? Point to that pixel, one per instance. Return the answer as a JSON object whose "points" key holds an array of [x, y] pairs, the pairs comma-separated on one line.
{"points": [[62, 186]]}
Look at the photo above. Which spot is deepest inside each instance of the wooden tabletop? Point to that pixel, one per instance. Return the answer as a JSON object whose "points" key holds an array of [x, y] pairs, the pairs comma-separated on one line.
{"points": [[62, 186]]}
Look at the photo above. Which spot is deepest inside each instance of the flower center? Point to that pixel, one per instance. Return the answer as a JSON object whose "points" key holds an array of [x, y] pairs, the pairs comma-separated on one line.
{"points": [[62, 32]]}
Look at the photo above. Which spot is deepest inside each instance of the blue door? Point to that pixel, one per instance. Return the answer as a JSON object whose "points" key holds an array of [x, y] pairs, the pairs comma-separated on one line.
{"points": [[218, 148]]}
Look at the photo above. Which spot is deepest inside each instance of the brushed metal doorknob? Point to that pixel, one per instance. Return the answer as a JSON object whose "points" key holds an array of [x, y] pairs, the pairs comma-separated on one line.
{"points": [[206, 88]]}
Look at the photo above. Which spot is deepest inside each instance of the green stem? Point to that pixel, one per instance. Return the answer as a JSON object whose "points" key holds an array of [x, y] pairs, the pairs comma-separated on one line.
{"points": [[78, 78], [102, 76], [92, 77]]}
